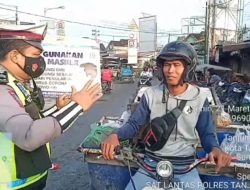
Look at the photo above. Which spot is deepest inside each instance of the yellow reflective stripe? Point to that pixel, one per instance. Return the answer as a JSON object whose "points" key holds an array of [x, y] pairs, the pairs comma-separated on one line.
{"points": [[16, 89], [13, 163], [48, 148], [5, 161]]}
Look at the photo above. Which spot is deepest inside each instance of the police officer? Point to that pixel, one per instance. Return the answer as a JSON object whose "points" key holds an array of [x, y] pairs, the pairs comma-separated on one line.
{"points": [[24, 129]]}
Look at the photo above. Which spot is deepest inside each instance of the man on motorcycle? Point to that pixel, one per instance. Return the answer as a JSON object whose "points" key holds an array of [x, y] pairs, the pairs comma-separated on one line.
{"points": [[177, 61], [145, 77], [107, 76], [146, 73]]}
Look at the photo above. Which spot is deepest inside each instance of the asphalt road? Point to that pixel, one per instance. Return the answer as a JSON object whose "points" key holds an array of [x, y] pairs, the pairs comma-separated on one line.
{"points": [[73, 172]]}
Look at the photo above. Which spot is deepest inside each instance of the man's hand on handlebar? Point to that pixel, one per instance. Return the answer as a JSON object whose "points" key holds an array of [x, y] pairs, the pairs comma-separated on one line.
{"points": [[220, 158], [108, 146]]}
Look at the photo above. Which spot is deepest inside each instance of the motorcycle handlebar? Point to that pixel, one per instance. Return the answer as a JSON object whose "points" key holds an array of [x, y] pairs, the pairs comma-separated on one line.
{"points": [[139, 159]]}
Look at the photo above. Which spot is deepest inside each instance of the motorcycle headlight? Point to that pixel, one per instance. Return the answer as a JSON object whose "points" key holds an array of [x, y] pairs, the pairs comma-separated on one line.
{"points": [[164, 169]]}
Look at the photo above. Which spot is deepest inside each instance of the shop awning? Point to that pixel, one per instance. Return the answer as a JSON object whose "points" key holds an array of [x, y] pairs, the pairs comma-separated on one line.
{"points": [[235, 47]]}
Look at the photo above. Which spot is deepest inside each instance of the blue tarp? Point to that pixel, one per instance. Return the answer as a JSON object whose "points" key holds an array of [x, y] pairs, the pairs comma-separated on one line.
{"points": [[126, 72]]}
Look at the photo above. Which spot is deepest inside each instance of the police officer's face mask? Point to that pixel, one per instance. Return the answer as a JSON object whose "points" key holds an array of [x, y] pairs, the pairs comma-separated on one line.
{"points": [[33, 66]]}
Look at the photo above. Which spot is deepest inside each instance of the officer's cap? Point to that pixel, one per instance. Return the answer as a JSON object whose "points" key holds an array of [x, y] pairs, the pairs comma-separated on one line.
{"points": [[33, 35]]}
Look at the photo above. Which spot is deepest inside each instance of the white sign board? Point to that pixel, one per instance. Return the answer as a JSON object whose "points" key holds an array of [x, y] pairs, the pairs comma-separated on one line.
{"points": [[132, 55], [132, 48], [147, 34], [60, 28], [69, 62]]}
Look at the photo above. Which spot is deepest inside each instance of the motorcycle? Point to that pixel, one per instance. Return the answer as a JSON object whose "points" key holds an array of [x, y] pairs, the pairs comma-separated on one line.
{"points": [[106, 87], [144, 81], [231, 94]]}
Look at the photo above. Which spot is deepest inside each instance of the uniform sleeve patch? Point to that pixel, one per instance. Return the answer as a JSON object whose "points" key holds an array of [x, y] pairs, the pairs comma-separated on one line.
{"points": [[3, 77], [13, 94]]}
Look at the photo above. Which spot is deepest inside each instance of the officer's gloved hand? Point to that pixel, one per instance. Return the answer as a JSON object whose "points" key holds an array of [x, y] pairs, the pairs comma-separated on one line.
{"points": [[88, 95]]}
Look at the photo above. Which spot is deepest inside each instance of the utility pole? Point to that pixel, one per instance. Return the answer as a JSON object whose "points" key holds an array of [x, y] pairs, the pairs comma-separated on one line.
{"points": [[240, 13], [16, 15], [208, 7], [213, 24], [206, 34]]}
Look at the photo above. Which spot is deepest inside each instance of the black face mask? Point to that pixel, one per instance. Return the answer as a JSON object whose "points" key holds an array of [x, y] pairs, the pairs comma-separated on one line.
{"points": [[33, 66]]}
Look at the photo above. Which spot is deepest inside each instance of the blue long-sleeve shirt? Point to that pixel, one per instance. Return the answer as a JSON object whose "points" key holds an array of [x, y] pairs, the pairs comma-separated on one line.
{"points": [[141, 115]]}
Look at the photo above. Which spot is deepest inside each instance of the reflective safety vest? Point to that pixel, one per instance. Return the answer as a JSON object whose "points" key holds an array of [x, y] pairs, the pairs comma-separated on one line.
{"points": [[8, 169]]}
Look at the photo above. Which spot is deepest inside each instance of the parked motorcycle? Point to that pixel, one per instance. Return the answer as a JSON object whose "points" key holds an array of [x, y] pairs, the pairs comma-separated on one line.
{"points": [[231, 93]]}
